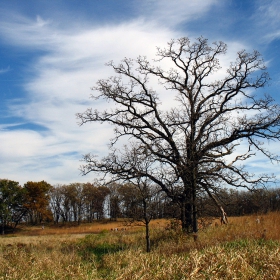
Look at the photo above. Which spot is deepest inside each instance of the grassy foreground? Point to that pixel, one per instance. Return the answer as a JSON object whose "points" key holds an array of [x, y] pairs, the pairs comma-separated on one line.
{"points": [[247, 248]]}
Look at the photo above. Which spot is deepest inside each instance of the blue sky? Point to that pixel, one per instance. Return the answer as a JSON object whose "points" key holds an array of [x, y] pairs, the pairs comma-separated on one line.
{"points": [[52, 52]]}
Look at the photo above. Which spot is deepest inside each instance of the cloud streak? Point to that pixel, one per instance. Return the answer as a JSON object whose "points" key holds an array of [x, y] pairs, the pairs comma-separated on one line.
{"points": [[57, 87], [67, 61], [5, 70]]}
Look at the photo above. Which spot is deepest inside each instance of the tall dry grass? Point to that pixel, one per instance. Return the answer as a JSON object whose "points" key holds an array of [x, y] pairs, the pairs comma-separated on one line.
{"points": [[253, 261], [43, 260], [247, 248]]}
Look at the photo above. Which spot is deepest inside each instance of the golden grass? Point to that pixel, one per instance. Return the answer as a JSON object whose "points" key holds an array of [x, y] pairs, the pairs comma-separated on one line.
{"points": [[85, 228], [243, 249], [253, 261], [42, 258]]}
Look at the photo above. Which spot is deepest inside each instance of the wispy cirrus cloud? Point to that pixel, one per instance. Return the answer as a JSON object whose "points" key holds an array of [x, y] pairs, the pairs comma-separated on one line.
{"points": [[66, 61], [267, 19], [57, 86], [170, 14], [5, 70]]}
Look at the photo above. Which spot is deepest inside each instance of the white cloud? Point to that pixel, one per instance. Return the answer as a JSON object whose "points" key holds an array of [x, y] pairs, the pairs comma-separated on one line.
{"points": [[170, 13], [60, 78], [267, 19], [58, 88]]}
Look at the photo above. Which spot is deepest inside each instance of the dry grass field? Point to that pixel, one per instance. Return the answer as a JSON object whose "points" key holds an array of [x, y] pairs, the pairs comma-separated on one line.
{"points": [[246, 248]]}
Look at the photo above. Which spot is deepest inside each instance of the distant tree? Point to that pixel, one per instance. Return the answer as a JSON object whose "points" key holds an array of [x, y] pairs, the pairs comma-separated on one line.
{"points": [[76, 199], [65, 203], [191, 144], [102, 192], [89, 193], [274, 199], [94, 200], [37, 201], [11, 203], [56, 200], [78, 202], [129, 200], [114, 201]]}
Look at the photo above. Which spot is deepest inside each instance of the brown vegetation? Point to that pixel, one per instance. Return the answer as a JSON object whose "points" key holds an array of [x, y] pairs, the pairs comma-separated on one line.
{"points": [[247, 248]]}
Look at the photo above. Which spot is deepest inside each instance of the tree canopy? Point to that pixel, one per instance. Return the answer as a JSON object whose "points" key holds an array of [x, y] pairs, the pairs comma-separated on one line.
{"points": [[12, 197], [37, 201], [192, 146]]}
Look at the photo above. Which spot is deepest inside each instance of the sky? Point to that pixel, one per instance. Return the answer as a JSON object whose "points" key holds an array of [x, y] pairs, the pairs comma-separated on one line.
{"points": [[54, 51]]}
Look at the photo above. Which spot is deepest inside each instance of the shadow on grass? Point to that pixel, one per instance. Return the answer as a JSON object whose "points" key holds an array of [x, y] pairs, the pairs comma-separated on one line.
{"points": [[99, 251], [96, 246]]}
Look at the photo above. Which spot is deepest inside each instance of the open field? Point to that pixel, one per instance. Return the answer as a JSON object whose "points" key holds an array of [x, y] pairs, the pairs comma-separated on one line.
{"points": [[247, 248]]}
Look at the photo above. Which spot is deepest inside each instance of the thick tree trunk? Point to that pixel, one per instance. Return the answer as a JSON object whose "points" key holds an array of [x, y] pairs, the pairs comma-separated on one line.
{"points": [[189, 212], [187, 216]]}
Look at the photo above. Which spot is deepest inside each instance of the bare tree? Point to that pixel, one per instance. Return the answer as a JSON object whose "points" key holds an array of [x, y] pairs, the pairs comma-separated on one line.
{"points": [[114, 201], [56, 199], [94, 200], [139, 197], [191, 144], [147, 193]]}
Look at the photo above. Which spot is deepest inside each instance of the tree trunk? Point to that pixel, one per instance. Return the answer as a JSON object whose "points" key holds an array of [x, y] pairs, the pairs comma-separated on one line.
{"points": [[148, 241], [224, 219], [187, 217], [189, 212], [147, 221], [195, 226]]}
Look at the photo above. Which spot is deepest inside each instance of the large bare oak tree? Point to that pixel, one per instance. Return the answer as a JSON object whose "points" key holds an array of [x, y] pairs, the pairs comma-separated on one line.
{"points": [[192, 146]]}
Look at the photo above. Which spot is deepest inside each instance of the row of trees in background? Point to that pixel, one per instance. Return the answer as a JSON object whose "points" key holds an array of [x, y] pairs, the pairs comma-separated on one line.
{"points": [[39, 202], [78, 202], [242, 202]]}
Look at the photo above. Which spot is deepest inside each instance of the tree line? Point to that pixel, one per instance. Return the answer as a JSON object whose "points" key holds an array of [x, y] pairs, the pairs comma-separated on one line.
{"points": [[39, 202]]}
